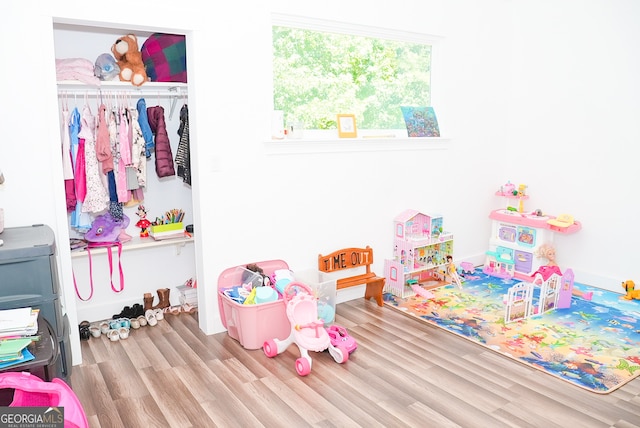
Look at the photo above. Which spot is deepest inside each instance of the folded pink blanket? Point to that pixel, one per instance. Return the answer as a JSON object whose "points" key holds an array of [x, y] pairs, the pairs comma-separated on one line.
{"points": [[76, 69]]}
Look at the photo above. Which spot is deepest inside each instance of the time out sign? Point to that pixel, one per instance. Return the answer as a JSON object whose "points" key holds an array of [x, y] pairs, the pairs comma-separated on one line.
{"points": [[346, 258]]}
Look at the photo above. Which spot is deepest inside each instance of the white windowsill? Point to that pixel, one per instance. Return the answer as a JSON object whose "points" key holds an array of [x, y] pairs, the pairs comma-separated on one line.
{"points": [[343, 145]]}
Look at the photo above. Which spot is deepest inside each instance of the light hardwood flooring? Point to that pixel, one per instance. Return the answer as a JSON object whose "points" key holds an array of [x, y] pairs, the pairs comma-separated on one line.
{"points": [[403, 374]]}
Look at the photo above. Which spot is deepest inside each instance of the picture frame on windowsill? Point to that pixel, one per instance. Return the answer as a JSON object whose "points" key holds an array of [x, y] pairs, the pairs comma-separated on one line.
{"points": [[347, 126]]}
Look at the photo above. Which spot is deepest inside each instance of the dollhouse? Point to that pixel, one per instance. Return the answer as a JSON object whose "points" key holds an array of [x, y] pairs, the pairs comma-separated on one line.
{"points": [[420, 253], [517, 236]]}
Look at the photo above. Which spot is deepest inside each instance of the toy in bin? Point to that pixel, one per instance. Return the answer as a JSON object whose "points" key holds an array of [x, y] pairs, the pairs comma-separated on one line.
{"points": [[251, 325], [307, 329]]}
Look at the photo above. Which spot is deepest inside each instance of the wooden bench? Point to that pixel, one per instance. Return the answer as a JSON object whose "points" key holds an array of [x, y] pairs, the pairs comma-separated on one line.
{"points": [[351, 258]]}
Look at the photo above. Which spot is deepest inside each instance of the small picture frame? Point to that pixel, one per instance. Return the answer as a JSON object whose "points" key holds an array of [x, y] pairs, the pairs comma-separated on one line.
{"points": [[347, 126]]}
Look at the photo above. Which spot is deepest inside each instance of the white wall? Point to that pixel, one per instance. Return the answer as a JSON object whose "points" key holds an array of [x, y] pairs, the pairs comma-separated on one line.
{"points": [[516, 92], [575, 102]]}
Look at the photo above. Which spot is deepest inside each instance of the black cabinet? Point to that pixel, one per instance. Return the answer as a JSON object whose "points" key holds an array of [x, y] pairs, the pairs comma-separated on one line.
{"points": [[29, 278]]}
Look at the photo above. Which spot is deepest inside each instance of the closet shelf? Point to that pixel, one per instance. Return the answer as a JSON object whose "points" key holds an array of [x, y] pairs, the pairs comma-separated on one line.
{"points": [[137, 243], [148, 87]]}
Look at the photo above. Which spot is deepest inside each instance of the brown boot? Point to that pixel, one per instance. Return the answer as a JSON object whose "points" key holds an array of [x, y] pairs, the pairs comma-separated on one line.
{"points": [[163, 294], [148, 301]]}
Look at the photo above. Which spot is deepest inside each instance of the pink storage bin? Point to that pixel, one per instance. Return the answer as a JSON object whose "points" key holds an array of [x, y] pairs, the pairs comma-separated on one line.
{"points": [[252, 325]]}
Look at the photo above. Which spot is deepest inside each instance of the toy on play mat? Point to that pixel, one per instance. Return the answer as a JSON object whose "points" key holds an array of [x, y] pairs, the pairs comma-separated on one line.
{"points": [[307, 329], [629, 288]]}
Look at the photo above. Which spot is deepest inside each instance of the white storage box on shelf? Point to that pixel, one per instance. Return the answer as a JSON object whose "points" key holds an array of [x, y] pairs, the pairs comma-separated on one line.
{"points": [[253, 324], [188, 295], [325, 288]]}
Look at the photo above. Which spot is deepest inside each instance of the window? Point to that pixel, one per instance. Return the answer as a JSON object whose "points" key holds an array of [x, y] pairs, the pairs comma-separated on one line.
{"points": [[322, 69]]}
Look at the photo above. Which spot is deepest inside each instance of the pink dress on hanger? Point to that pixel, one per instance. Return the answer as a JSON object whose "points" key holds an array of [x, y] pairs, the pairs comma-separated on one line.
{"points": [[81, 173], [97, 197]]}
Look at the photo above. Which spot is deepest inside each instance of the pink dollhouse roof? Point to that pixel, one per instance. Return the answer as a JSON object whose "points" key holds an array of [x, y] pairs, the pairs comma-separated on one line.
{"points": [[406, 216]]}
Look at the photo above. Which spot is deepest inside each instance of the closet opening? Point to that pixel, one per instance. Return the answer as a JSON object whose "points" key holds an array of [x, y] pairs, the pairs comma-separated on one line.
{"points": [[91, 100]]}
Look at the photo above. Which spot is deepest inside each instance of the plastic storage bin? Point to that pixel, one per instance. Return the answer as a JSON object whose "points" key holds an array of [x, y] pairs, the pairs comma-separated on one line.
{"points": [[324, 287], [29, 278], [252, 325]]}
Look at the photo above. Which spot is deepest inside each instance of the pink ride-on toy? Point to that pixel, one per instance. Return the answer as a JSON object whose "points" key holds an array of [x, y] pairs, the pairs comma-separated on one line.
{"points": [[339, 337], [307, 329]]}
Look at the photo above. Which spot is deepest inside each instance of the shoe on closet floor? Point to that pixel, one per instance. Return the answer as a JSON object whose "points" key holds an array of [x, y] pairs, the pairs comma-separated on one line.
{"points": [[127, 312], [142, 320], [172, 310], [138, 310], [83, 327], [150, 315], [189, 309]]}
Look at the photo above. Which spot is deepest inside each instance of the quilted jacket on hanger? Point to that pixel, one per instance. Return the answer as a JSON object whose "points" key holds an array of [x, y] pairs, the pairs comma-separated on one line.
{"points": [[164, 157]]}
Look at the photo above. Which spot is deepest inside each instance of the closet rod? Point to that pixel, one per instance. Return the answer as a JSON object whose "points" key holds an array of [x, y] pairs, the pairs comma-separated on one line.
{"points": [[71, 86], [158, 92], [134, 94]]}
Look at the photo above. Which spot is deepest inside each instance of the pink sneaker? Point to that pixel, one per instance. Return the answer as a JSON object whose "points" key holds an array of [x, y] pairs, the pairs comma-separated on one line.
{"points": [[339, 336]]}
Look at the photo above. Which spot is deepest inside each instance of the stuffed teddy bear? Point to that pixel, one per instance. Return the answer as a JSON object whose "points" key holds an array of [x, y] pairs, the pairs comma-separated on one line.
{"points": [[129, 59]]}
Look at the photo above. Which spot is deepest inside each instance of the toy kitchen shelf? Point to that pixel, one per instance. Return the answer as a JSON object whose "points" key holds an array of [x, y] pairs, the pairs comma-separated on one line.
{"points": [[564, 223], [138, 243], [518, 236]]}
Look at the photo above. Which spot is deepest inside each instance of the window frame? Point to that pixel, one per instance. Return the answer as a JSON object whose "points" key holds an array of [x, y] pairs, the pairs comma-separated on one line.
{"points": [[376, 139]]}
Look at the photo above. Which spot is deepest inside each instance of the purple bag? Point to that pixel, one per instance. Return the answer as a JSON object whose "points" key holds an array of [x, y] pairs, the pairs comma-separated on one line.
{"points": [[107, 232], [105, 228]]}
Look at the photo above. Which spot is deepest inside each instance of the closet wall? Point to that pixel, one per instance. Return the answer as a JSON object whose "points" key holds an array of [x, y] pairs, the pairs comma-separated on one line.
{"points": [[147, 265]]}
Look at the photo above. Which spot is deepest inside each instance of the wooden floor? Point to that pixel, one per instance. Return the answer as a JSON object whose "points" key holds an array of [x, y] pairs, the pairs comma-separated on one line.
{"points": [[403, 374]]}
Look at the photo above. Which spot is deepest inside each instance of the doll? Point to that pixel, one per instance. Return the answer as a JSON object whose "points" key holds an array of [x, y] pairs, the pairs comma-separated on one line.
{"points": [[453, 272], [548, 252], [143, 223]]}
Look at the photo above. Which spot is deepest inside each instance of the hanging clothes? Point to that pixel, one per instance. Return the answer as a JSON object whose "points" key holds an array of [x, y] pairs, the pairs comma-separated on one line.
{"points": [[164, 157], [78, 219], [132, 178], [115, 207], [103, 145], [183, 154], [143, 121], [123, 156], [138, 159], [97, 198], [80, 181], [67, 165], [78, 157]]}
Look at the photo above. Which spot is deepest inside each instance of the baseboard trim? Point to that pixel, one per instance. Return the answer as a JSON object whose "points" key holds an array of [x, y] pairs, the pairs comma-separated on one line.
{"points": [[581, 276]]}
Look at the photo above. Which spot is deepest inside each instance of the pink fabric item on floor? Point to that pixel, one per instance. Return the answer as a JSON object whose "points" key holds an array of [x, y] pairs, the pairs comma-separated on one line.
{"points": [[31, 391]]}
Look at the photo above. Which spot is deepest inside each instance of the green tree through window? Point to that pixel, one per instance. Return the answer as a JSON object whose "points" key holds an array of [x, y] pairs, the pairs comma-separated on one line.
{"points": [[318, 74]]}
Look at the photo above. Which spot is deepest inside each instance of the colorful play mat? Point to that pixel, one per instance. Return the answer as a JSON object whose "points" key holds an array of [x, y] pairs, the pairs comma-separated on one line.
{"points": [[594, 344]]}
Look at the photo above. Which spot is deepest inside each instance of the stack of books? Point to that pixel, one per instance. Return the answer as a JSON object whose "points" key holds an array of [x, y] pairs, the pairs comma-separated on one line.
{"points": [[18, 328], [188, 293]]}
